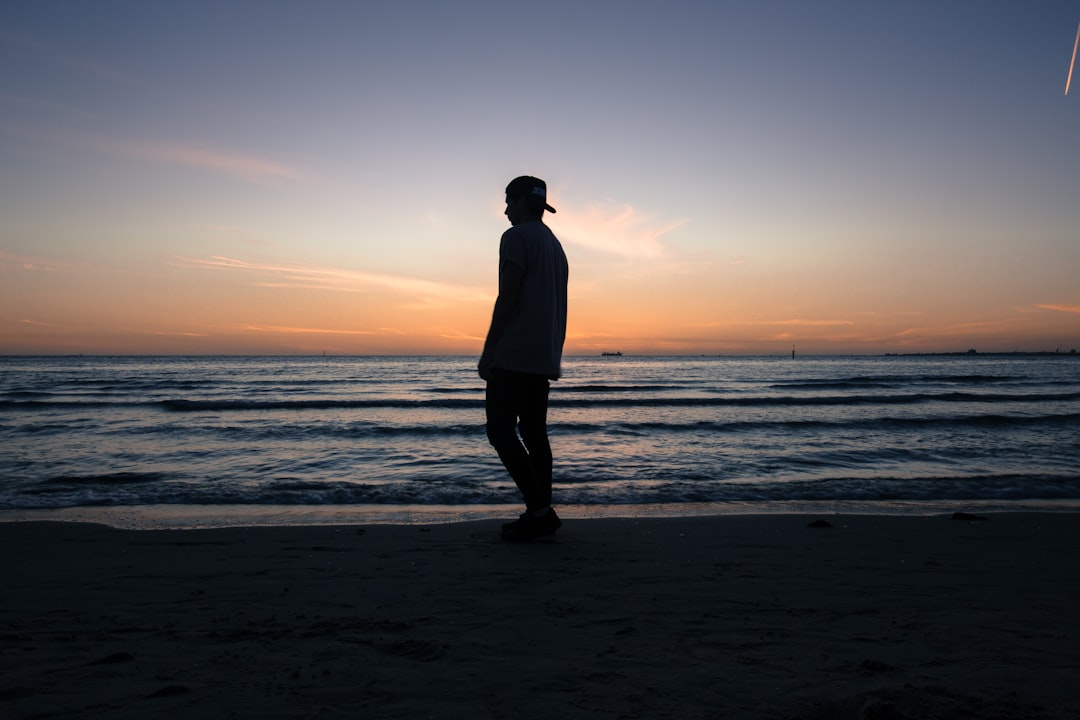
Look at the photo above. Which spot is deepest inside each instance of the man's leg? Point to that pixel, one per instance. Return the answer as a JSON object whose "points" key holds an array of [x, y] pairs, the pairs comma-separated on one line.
{"points": [[533, 427], [502, 404]]}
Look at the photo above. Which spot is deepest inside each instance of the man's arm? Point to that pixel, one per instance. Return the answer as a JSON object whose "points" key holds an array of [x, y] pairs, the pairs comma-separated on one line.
{"points": [[511, 278]]}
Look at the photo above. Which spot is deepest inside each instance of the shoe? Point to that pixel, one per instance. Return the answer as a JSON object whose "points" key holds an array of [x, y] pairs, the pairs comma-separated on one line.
{"points": [[529, 526], [526, 517], [551, 516], [512, 526]]}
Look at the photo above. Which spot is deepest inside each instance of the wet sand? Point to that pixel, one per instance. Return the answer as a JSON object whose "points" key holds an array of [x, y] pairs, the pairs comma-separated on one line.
{"points": [[708, 617]]}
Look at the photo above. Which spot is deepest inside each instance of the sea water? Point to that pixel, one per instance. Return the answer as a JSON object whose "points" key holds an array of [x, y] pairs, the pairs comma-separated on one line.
{"points": [[286, 439]]}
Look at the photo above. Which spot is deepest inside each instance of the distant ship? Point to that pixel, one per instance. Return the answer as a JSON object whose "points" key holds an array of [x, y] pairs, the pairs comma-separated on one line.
{"points": [[611, 354]]}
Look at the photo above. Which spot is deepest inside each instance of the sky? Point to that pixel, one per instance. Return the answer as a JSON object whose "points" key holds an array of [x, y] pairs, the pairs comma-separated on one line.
{"points": [[731, 177]]}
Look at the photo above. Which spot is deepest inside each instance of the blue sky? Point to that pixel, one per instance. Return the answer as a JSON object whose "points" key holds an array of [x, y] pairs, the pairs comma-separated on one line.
{"points": [[731, 176]]}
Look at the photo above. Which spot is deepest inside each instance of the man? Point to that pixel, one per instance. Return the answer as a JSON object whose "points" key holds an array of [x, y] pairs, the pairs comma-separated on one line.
{"points": [[523, 352]]}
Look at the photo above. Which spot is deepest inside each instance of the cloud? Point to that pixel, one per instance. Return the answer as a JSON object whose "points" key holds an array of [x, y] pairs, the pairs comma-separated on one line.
{"points": [[799, 322], [244, 166], [26, 262], [1074, 309], [185, 154], [301, 330], [615, 229], [35, 323], [425, 293], [794, 322], [175, 334]]}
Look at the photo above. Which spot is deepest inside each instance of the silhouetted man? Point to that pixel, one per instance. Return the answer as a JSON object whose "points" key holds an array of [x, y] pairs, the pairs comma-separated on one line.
{"points": [[523, 352]]}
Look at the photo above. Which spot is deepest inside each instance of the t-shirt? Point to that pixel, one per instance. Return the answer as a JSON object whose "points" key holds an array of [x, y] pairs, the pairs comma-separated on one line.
{"points": [[533, 339]]}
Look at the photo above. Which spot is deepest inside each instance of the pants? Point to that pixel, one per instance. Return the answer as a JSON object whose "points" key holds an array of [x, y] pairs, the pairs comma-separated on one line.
{"points": [[517, 403]]}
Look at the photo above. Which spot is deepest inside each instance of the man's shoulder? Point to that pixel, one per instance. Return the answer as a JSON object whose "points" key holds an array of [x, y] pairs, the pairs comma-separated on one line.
{"points": [[535, 230]]}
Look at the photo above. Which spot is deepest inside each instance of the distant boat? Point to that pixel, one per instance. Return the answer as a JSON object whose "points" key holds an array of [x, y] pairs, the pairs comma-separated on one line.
{"points": [[617, 353]]}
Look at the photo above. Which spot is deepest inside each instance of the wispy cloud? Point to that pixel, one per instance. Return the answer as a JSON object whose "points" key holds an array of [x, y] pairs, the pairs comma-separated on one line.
{"points": [[175, 334], [424, 293], [793, 322], [961, 332], [801, 322], [617, 229], [1074, 309], [251, 168], [803, 329], [11, 261], [247, 167], [36, 323], [283, 330]]}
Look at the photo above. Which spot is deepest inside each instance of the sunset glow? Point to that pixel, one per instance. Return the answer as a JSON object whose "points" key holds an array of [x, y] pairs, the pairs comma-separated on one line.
{"points": [[730, 178]]}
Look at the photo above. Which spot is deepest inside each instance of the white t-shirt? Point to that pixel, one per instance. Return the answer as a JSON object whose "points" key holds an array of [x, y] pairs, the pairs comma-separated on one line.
{"points": [[533, 339]]}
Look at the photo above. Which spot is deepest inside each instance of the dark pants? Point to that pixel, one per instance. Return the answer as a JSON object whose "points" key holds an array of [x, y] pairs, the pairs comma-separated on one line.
{"points": [[517, 403]]}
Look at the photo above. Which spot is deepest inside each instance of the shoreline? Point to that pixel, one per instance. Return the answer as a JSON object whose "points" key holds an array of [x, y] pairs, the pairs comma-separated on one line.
{"points": [[740, 616], [203, 517]]}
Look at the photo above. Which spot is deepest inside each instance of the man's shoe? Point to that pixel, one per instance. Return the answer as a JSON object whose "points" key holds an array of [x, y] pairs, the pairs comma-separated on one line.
{"points": [[529, 526], [512, 526]]}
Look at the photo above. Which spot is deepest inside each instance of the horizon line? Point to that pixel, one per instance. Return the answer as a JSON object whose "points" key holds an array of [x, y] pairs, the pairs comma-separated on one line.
{"points": [[886, 353]]}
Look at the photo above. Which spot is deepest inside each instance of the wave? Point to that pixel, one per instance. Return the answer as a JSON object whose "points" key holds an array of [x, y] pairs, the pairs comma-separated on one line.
{"points": [[315, 404], [652, 402], [625, 388], [18, 405], [892, 381], [363, 429], [869, 424], [229, 431], [119, 490], [119, 478]]}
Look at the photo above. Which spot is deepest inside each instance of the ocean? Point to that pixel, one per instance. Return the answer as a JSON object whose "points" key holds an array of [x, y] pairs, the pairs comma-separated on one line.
{"points": [[209, 441]]}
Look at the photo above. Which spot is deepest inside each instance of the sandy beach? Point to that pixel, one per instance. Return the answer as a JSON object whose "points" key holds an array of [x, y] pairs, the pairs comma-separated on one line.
{"points": [[710, 617]]}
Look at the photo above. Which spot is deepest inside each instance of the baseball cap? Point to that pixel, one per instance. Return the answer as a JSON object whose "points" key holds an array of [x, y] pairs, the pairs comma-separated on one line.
{"points": [[528, 186]]}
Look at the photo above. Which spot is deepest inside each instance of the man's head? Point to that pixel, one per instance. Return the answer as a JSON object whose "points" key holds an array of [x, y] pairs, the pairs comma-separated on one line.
{"points": [[526, 199]]}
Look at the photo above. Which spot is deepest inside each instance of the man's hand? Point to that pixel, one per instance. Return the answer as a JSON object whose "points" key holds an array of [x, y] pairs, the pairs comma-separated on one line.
{"points": [[511, 278], [484, 368]]}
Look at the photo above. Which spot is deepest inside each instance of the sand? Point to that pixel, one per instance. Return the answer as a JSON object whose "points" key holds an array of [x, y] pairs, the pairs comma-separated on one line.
{"points": [[711, 617]]}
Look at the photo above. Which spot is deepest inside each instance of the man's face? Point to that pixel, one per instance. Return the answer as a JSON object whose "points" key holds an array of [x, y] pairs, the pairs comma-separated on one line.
{"points": [[515, 210]]}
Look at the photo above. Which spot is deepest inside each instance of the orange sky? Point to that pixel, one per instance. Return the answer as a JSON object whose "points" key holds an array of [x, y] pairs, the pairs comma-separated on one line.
{"points": [[645, 306]]}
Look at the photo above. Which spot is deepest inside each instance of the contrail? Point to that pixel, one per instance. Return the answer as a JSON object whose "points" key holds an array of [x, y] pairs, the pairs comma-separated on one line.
{"points": [[1073, 61]]}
